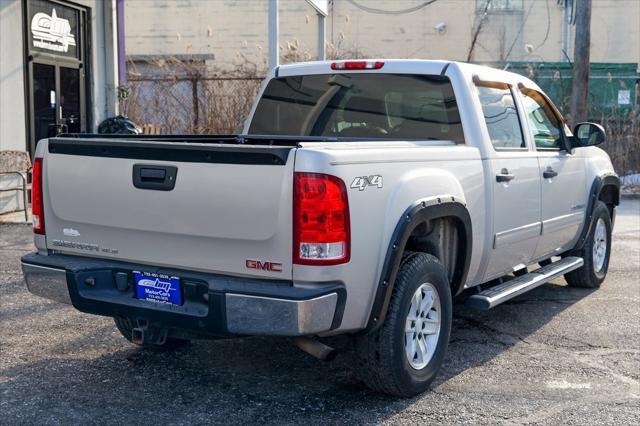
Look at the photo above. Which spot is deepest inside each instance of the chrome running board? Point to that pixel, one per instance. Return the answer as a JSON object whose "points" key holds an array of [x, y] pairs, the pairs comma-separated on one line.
{"points": [[496, 295]]}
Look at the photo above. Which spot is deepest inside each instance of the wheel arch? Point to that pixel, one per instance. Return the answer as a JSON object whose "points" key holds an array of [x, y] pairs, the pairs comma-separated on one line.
{"points": [[604, 188], [421, 212]]}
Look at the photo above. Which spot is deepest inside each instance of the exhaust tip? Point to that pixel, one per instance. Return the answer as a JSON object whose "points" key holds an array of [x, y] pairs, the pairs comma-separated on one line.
{"points": [[316, 349], [331, 355]]}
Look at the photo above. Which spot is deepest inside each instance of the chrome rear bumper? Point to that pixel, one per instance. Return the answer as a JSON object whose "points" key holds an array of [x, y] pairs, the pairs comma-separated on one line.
{"points": [[50, 283], [269, 316]]}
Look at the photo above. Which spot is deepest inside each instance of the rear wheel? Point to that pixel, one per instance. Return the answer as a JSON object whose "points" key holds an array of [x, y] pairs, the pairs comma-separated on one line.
{"points": [[595, 252], [403, 356]]}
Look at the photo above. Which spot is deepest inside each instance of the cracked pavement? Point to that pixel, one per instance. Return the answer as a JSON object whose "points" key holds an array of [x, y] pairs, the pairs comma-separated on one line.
{"points": [[553, 355]]}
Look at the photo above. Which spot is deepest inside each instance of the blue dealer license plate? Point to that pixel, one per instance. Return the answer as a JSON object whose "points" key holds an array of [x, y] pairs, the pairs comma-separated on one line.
{"points": [[158, 288]]}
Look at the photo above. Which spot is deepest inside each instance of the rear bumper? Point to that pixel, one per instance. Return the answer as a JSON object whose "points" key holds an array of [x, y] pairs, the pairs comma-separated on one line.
{"points": [[50, 283], [215, 305]]}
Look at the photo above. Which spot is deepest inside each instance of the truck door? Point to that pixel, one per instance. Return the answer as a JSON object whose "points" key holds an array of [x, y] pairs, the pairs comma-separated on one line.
{"points": [[563, 198], [514, 181]]}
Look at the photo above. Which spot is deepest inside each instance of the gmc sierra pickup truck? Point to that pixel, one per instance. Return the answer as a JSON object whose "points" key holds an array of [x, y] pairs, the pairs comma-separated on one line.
{"points": [[359, 200]]}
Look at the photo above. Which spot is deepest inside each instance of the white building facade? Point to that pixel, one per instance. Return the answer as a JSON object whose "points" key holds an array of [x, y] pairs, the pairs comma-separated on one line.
{"points": [[58, 72], [464, 30]]}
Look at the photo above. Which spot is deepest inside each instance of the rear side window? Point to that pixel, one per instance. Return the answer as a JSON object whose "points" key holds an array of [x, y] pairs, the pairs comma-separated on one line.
{"points": [[501, 116], [374, 106]]}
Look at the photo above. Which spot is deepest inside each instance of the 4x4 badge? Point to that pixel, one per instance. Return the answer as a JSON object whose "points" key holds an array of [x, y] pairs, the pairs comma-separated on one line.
{"points": [[361, 182]]}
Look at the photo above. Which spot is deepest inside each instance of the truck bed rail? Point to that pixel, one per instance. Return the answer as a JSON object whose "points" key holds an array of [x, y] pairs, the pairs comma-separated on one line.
{"points": [[272, 140]]}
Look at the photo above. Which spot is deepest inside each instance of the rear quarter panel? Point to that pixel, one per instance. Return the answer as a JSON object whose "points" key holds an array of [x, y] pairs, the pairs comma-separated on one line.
{"points": [[411, 172]]}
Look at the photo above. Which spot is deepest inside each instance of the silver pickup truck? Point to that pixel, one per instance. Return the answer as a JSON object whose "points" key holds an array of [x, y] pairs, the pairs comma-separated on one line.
{"points": [[361, 197]]}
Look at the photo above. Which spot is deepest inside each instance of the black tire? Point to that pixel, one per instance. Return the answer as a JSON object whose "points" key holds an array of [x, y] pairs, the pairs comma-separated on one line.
{"points": [[587, 276], [125, 325], [382, 363]]}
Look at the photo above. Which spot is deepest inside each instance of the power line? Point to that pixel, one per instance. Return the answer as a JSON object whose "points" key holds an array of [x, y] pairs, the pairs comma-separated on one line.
{"points": [[483, 16], [546, 36], [391, 12]]}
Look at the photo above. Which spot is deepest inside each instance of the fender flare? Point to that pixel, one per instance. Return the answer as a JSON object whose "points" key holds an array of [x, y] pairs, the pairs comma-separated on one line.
{"points": [[415, 215], [599, 183]]}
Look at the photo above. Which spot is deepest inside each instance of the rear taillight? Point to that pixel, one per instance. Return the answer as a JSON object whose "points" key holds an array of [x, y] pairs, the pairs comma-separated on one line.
{"points": [[357, 65], [321, 234], [37, 204]]}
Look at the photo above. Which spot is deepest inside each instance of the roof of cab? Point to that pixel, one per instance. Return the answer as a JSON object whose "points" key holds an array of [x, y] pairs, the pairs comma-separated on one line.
{"points": [[409, 66]]}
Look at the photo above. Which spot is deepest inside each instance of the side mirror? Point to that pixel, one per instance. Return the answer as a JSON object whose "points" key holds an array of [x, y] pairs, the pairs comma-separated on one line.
{"points": [[588, 134]]}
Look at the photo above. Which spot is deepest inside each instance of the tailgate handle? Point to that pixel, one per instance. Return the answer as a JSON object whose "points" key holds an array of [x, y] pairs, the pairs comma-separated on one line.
{"points": [[150, 176]]}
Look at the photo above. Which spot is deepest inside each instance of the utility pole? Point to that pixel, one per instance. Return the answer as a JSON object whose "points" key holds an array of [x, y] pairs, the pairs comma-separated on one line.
{"points": [[322, 29], [580, 86], [274, 26]]}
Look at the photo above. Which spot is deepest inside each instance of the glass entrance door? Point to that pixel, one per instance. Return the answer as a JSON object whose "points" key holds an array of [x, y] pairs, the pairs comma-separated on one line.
{"points": [[70, 111], [57, 100], [45, 100]]}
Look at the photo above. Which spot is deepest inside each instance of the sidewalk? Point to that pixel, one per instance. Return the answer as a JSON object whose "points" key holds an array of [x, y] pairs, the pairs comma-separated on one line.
{"points": [[15, 217]]}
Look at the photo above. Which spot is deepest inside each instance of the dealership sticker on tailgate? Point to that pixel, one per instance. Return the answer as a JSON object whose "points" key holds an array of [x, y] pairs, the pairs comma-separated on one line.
{"points": [[158, 288]]}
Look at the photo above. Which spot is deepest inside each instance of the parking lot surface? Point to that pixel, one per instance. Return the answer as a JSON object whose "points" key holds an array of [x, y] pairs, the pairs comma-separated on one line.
{"points": [[553, 355]]}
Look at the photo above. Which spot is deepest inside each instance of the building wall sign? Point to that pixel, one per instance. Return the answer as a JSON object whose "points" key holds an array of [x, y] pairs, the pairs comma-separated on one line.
{"points": [[52, 33], [53, 28]]}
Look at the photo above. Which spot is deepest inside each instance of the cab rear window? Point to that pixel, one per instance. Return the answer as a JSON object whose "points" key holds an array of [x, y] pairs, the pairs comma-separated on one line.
{"points": [[371, 105]]}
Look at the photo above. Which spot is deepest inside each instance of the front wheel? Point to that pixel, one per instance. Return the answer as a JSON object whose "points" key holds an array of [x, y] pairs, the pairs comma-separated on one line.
{"points": [[595, 252], [404, 355]]}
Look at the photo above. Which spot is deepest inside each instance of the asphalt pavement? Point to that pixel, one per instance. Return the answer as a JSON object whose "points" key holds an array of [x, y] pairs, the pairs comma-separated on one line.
{"points": [[553, 355]]}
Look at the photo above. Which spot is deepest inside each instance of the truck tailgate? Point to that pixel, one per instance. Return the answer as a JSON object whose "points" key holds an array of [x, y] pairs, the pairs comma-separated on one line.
{"points": [[229, 204]]}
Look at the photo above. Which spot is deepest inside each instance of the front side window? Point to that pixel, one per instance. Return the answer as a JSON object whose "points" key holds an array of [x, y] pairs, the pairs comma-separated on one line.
{"points": [[371, 105], [543, 122], [501, 117]]}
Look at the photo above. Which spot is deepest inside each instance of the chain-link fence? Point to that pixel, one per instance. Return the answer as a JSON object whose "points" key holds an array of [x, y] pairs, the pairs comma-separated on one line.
{"points": [[192, 95], [191, 104], [623, 143]]}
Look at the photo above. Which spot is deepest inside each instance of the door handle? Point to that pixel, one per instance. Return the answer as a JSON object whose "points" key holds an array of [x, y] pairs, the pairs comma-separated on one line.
{"points": [[504, 176], [150, 176], [549, 173]]}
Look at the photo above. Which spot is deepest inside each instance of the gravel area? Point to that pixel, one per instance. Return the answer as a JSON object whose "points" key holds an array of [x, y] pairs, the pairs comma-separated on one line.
{"points": [[554, 355]]}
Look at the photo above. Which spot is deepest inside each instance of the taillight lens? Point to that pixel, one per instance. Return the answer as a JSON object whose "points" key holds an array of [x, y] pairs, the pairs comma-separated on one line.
{"points": [[321, 234], [37, 202], [357, 65]]}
